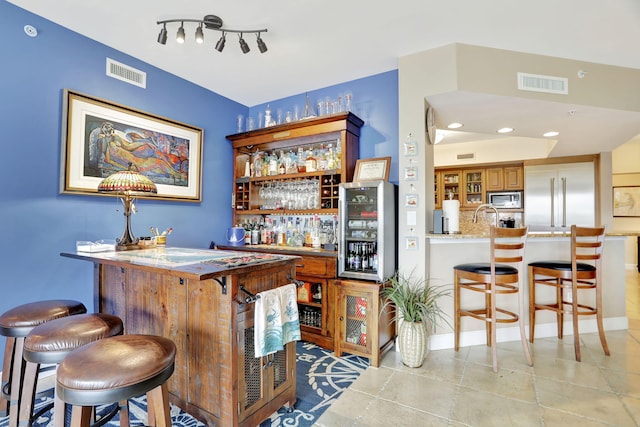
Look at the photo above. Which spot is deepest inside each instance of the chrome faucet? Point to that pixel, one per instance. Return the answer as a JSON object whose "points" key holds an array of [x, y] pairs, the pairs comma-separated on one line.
{"points": [[485, 205]]}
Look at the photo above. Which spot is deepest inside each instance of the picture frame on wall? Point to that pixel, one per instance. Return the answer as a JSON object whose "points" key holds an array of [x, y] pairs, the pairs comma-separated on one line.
{"points": [[100, 138], [626, 201], [372, 169]]}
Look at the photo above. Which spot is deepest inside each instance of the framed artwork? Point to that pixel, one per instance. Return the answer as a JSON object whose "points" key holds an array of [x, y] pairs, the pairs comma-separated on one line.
{"points": [[410, 148], [410, 173], [100, 138], [626, 201], [411, 243], [372, 169], [411, 200]]}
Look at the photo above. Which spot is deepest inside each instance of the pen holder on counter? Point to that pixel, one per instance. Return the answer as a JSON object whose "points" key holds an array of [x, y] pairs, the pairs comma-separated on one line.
{"points": [[161, 240]]}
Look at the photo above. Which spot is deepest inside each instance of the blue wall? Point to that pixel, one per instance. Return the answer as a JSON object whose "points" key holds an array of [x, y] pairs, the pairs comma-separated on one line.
{"points": [[38, 223]]}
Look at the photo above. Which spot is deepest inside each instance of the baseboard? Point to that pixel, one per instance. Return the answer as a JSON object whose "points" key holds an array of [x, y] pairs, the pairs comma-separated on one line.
{"points": [[543, 330]]}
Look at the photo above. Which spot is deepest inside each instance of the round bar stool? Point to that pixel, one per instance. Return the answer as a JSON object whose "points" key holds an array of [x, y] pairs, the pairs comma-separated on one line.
{"points": [[502, 275], [15, 324], [116, 369], [582, 273], [50, 342]]}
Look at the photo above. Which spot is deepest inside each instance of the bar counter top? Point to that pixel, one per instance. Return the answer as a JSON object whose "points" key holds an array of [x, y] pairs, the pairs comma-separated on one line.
{"points": [[199, 264]]}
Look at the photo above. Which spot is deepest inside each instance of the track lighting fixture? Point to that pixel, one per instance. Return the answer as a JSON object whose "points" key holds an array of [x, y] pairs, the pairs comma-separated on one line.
{"points": [[162, 37], [180, 36], [211, 22], [221, 42], [243, 45], [261, 44], [199, 35]]}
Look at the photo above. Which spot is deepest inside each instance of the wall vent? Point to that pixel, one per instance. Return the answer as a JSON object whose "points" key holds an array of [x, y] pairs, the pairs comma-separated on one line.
{"points": [[546, 84], [128, 74], [467, 156]]}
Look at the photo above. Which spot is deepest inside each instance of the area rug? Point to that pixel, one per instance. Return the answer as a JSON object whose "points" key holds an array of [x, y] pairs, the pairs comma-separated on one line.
{"points": [[321, 379]]}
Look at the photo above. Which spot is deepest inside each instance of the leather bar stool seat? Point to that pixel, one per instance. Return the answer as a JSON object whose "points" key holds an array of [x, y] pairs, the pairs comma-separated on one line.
{"points": [[15, 324], [116, 369], [50, 342]]}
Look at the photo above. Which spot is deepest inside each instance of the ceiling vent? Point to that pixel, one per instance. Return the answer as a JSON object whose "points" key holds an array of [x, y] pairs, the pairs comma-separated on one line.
{"points": [[467, 156], [128, 74], [546, 84]]}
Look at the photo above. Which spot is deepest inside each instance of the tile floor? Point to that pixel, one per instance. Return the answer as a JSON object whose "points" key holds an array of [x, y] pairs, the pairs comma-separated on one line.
{"points": [[460, 389]]}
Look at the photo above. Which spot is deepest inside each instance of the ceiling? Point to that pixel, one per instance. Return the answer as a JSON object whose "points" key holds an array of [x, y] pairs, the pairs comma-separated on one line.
{"points": [[314, 44]]}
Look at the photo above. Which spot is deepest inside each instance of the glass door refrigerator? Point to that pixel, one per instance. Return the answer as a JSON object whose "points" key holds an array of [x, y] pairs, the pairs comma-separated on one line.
{"points": [[367, 247]]}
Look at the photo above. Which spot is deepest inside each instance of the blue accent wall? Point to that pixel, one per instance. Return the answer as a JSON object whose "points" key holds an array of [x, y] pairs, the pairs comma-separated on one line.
{"points": [[37, 222]]}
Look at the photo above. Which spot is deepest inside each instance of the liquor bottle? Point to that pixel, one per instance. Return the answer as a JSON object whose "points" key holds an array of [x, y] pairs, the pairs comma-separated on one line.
{"points": [[357, 259], [310, 161], [302, 167], [365, 256], [331, 158], [273, 164], [350, 257]]}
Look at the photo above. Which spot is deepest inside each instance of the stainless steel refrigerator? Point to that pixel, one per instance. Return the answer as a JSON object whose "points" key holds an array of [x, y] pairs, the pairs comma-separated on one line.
{"points": [[367, 246], [559, 195]]}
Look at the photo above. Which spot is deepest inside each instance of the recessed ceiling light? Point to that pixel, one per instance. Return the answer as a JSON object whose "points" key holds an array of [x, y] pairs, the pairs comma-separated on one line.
{"points": [[505, 130], [552, 133], [455, 125]]}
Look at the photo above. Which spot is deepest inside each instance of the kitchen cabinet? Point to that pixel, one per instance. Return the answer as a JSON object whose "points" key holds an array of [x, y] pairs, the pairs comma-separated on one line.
{"points": [[474, 193], [361, 328], [471, 184], [507, 178]]}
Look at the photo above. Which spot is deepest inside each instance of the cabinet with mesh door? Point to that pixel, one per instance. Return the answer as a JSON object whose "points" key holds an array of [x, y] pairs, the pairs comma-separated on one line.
{"points": [[260, 378], [362, 329]]}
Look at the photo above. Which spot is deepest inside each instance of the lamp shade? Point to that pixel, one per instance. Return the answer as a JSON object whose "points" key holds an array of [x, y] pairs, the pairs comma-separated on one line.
{"points": [[128, 182]]}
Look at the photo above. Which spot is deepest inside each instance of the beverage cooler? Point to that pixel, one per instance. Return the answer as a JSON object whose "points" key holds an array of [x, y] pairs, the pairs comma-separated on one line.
{"points": [[367, 247]]}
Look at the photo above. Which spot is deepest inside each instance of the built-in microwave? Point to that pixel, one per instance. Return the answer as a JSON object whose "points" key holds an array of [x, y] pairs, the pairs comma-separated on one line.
{"points": [[505, 199]]}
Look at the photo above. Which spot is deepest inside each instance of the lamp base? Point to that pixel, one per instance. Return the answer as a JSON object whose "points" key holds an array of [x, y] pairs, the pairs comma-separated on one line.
{"points": [[127, 246]]}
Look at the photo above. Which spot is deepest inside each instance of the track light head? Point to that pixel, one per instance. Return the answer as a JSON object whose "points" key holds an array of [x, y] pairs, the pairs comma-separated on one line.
{"points": [[261, 45], [221, 42], [199, 35], [243, 45], [180, 36], [162, 37]]}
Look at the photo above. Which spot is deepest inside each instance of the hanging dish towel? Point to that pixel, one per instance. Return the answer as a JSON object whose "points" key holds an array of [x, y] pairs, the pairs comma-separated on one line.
{"points": [[276, 320]]}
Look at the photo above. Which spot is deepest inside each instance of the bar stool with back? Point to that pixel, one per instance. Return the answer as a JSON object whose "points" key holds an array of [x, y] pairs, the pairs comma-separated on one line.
{"points": [[582, 273], [502, 275]]}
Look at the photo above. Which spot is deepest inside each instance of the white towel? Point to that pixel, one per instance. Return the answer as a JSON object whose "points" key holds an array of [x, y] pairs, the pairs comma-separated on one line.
{"points": [[276, 321]]}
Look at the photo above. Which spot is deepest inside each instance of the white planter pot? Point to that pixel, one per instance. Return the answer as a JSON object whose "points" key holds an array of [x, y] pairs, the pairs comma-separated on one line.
{"points": [[413, 342]]}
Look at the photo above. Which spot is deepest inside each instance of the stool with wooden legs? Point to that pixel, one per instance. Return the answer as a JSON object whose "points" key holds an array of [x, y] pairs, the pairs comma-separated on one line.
{"points": [[571, 279], [15, 324], [116, 369], [50, 342], [503, 275]]}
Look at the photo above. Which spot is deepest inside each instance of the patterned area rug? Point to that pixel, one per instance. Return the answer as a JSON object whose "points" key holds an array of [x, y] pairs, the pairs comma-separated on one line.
{"points": [[321, 379]]}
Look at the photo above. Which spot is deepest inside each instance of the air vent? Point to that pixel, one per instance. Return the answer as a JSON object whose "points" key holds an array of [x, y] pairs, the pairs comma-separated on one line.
{"points": [[546, 84], [128, 74], [467, 156]]}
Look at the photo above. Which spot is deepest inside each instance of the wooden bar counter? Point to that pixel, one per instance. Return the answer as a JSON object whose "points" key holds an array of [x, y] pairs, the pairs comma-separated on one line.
{"points": [[194, 297]]}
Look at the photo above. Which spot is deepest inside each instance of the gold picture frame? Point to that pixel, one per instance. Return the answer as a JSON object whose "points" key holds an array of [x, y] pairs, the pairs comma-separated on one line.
{"points": [[372, 169], [100, 138]]}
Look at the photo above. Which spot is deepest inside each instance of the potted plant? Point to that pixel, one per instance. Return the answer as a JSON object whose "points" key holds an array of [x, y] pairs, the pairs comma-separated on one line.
{"points": [[417, 312]]}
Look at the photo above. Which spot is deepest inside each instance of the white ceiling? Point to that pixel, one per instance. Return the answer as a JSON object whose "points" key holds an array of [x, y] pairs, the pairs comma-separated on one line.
{"points": [[313, 44]]}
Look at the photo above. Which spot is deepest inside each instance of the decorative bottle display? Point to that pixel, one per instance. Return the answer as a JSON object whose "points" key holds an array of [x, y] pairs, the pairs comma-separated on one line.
{"points": [[367, 246], [313, 231]]}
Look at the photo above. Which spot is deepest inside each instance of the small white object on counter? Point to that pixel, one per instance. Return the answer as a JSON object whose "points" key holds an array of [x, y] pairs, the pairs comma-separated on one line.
{"points": [[97, 246], [451, 215]]}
